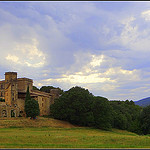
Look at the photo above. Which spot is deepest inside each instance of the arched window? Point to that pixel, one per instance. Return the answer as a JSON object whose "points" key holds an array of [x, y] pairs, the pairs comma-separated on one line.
{"points": [[4, 113]]}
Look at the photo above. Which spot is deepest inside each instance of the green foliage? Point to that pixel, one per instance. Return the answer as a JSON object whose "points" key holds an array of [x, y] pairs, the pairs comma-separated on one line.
{"points": [[32, 108], [74, 106], [80, 107], [102, 112], [126, 115], [28, 97], [145, 120], [2, 100], [35, 88], [48, 88]]}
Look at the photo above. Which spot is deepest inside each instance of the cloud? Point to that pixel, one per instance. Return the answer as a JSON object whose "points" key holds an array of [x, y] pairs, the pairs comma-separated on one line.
{"points": [[100, 46], [146, 15], [96, 61], [12, 58]]}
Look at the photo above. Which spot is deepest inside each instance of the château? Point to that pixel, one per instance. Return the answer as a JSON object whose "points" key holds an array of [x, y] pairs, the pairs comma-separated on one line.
{"points": [[13, 93]]}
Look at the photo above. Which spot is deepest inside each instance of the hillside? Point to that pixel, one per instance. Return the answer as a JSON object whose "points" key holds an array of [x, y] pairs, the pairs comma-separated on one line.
{"points": [[143, 102], [52, 133], [39, 122]]}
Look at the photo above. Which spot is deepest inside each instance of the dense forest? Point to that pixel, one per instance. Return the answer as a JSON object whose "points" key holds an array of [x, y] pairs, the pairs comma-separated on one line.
{"points": [[79, 106]]}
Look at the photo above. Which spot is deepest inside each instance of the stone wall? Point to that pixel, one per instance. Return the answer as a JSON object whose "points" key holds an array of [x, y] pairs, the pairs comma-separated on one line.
{"points": [[8, 111], [23, 83]]}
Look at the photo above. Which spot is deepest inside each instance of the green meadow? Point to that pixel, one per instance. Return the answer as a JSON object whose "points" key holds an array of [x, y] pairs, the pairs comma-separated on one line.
{"points": [[64, 135]]}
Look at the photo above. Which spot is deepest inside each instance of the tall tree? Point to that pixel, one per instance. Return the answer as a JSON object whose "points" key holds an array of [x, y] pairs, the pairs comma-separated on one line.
{"points": [[28, 97]]}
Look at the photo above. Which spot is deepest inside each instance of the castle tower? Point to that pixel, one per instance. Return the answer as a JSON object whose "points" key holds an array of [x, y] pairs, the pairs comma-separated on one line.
{"points": [[55, 94], [11, 90], [9, 76]]}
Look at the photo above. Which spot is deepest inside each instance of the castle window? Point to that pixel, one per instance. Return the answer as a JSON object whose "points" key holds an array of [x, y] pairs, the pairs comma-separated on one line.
{"points": [[1, 86], [1, 94], [12, 99]]}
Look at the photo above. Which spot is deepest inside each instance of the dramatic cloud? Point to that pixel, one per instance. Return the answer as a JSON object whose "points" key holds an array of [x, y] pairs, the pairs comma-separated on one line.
{"points": [[102, 46]]}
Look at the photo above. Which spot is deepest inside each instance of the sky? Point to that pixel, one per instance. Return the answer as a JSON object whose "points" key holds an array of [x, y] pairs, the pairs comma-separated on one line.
{"points": [[102, 46]]}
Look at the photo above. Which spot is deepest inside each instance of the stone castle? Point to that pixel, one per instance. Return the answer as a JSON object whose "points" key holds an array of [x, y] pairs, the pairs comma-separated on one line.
{"points": [[13, 90]]}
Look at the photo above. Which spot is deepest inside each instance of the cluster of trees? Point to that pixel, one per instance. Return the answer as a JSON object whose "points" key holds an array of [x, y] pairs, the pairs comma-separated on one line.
{"points": [[79, 106], [126, 115], [47, 89]]}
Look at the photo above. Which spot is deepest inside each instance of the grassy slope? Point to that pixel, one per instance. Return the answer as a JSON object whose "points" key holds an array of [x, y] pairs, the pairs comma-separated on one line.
{"points": [[51, 133]]}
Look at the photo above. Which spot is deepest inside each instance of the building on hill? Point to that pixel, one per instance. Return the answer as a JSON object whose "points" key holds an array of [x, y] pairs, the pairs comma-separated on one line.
{"points": [[13, 90]]}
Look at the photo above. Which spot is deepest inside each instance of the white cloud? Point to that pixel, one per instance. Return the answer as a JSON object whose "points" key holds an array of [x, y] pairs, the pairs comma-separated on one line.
{"points": [[96, 60], [92, 78], [12, 58], [110, 80], [27, 54], [146, 15]]}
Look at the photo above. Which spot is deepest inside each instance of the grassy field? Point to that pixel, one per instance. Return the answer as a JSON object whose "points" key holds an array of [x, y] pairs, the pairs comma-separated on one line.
{"points": [[51, 133]]}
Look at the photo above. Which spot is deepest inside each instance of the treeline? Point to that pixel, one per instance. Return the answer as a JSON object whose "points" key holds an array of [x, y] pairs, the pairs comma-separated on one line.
{"points": [[79, 106], [47, 89]]}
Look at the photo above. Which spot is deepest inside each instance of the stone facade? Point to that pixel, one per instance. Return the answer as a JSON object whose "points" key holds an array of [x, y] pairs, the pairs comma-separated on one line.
{"points": [[13, 90]]}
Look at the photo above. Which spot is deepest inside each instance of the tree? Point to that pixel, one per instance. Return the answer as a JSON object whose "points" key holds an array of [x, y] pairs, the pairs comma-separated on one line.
{"points": [[74, 106], [48, 88], [31, 106], [35, 88], [102, 112], [28, 97], [126, 115], [145, 120]]}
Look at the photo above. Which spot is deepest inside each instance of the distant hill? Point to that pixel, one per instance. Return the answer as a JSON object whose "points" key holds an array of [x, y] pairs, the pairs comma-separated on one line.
{"points": [[143, 102]]}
